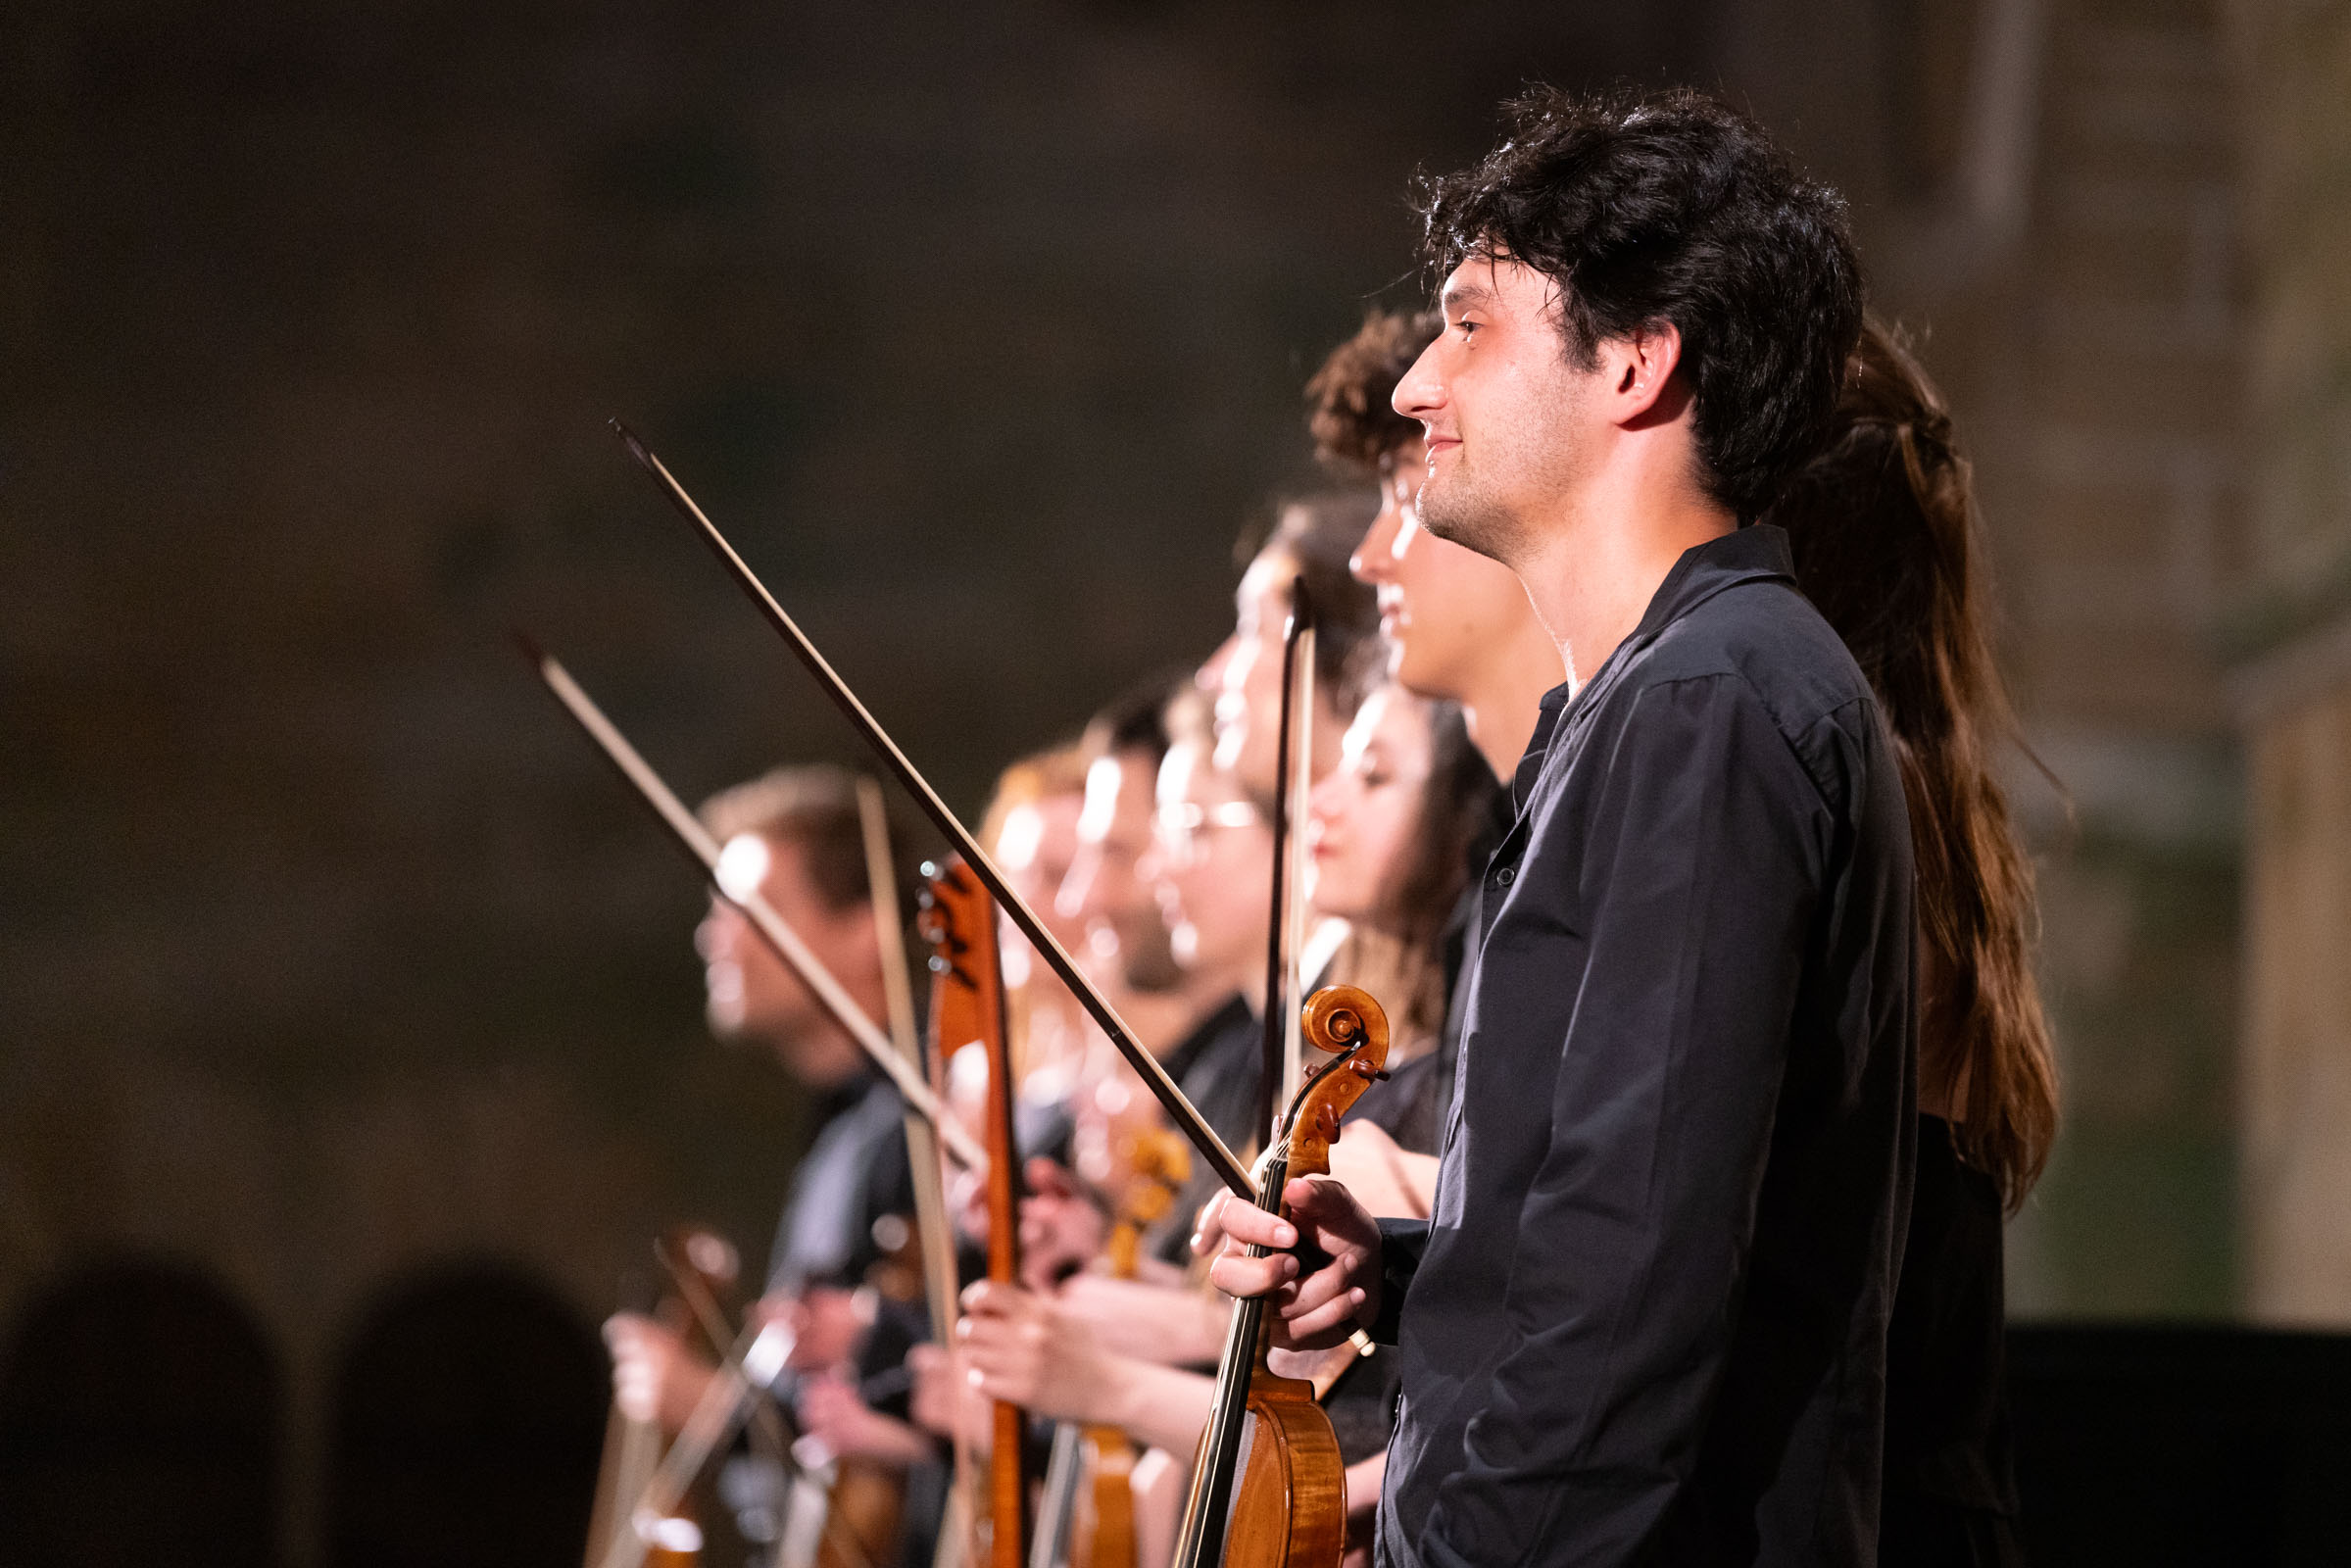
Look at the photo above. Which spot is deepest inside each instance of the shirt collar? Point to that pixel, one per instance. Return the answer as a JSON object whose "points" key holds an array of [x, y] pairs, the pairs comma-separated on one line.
{"points": [[1755, 553], [1752, 553]]}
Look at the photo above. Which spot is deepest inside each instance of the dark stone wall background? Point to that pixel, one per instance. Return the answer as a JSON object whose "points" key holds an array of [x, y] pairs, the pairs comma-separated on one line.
{"points": [[331, 960]]}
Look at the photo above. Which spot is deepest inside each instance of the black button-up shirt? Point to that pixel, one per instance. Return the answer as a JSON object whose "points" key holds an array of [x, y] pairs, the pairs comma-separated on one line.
{"points": [[1646, 1321]]}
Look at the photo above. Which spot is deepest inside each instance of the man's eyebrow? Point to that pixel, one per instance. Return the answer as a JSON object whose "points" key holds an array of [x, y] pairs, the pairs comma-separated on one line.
{"points": [[1465, 296]]}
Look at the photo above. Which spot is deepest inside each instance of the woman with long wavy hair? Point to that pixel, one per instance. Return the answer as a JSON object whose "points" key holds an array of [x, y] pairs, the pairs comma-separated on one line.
{"points": [[1885, 533]]}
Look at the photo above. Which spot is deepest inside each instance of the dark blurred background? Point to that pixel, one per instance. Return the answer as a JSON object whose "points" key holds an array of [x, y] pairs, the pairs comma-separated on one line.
{"points": [[349, 1026]]}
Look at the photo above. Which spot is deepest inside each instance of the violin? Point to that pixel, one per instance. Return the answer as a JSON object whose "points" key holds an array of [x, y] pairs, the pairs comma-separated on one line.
{"points": [[967, 1004], [1182, 1113], [1287, 1506], [1156, 1166], [1088, 1518], [1184, 1116], [753, 1363], [857, 1505], [703, 1270]]}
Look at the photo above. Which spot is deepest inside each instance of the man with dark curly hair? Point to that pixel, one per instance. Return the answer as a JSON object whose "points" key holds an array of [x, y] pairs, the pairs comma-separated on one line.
{"points": [[1646, 1322], [1457, 626]]}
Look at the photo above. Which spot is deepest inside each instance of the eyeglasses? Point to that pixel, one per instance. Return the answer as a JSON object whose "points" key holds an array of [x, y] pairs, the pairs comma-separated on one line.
{"points": [[1190, 816]]}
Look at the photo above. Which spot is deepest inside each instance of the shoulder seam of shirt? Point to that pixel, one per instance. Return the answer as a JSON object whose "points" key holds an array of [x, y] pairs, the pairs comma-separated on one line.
{"points": [[1788, 734]]}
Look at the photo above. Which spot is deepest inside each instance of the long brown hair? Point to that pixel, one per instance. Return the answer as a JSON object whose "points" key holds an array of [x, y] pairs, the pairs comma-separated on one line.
{"points": [[1399, 954], [1884, 528]]}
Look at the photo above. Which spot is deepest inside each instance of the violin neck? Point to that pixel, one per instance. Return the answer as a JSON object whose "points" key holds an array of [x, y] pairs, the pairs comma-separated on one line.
{"points": [[1200, 1544]]}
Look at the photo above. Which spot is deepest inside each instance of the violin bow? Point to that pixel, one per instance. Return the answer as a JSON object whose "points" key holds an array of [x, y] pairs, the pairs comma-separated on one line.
{"points": [[766, 1431], [1302, 785], [937, 1240], [1185, 1116], [757, 1357], [1292, 753], [697, 840], [932, 1228]]}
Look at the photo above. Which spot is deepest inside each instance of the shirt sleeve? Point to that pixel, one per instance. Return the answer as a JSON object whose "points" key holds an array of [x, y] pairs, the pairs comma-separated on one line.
{"points": [[1401, 1244], [1705, 853]]}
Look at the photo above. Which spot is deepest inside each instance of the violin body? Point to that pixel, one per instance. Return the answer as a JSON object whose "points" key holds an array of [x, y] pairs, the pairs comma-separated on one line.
{"points": [[1106, 1538], [864, 1511], [1142, 1165], [1269, 1488], [1289, 1504]]}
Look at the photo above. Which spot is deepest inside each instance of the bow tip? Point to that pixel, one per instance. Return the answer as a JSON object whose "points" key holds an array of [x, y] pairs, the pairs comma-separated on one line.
{"points": [[628, 438]]}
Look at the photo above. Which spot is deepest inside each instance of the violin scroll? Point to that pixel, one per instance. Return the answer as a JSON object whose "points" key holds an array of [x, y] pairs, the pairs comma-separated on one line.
{"points": [[1345, 1021]]}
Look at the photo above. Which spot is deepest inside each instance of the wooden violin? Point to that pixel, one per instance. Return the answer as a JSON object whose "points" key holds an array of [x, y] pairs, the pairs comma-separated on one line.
{"points": [[1286, 1507], [1155, 1167], [697, 1306], [1088, 1516], [967, 1005]]}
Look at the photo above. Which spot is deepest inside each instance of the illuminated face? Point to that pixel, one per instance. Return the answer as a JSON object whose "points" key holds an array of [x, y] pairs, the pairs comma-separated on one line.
{"points": [[1243, 677], [1105, 891], [1034, 849], [751, 994], [1212, 863], [1367, 814], [1445, 609], [1504, 413]]}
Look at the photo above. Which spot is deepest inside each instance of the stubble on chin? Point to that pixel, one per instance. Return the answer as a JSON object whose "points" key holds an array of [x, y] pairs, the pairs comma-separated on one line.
{"points": [[1455, 510]]}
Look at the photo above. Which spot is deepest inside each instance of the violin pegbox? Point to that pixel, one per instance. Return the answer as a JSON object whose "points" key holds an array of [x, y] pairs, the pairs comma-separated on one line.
{"points": [[1345, 1021], [951, 905]]}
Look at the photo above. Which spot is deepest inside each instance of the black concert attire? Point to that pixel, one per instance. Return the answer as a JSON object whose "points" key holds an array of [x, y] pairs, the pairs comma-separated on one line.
{"points": [[856, 1171], [1218, 1066], [1410, 1106], [855, 1174], [1646, 1321], [1950, 1481]]}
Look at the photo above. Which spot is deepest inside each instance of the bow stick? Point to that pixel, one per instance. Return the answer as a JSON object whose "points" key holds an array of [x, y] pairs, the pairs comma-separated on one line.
{"points": [[931, 1225], [1302, 786], [698, 842], [757, 1357], [1185, 1116], [1291, 741]]}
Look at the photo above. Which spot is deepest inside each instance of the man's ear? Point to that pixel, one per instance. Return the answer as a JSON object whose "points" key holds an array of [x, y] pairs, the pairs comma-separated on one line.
{"points": [[1641, 367]]}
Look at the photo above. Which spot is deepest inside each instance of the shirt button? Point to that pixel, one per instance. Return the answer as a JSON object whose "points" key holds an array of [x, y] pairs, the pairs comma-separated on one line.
{"points": [[1507, 875]]}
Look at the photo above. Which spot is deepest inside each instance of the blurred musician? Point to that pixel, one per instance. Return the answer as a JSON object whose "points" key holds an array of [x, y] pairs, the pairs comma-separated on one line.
{"points": [[1312, 541], [795, 835], [1459, 625], [1392, 831]]}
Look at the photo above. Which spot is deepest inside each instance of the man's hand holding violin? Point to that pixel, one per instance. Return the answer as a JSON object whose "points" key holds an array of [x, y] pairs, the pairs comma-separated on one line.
{"points": [[1339, 1295]]}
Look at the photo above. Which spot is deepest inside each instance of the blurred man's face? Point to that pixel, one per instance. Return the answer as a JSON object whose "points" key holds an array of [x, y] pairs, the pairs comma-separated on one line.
{"points": [[1243, 677], [1124, 924], [1035, 849], [1443, 610], [752, 993], [1212, 863]]}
